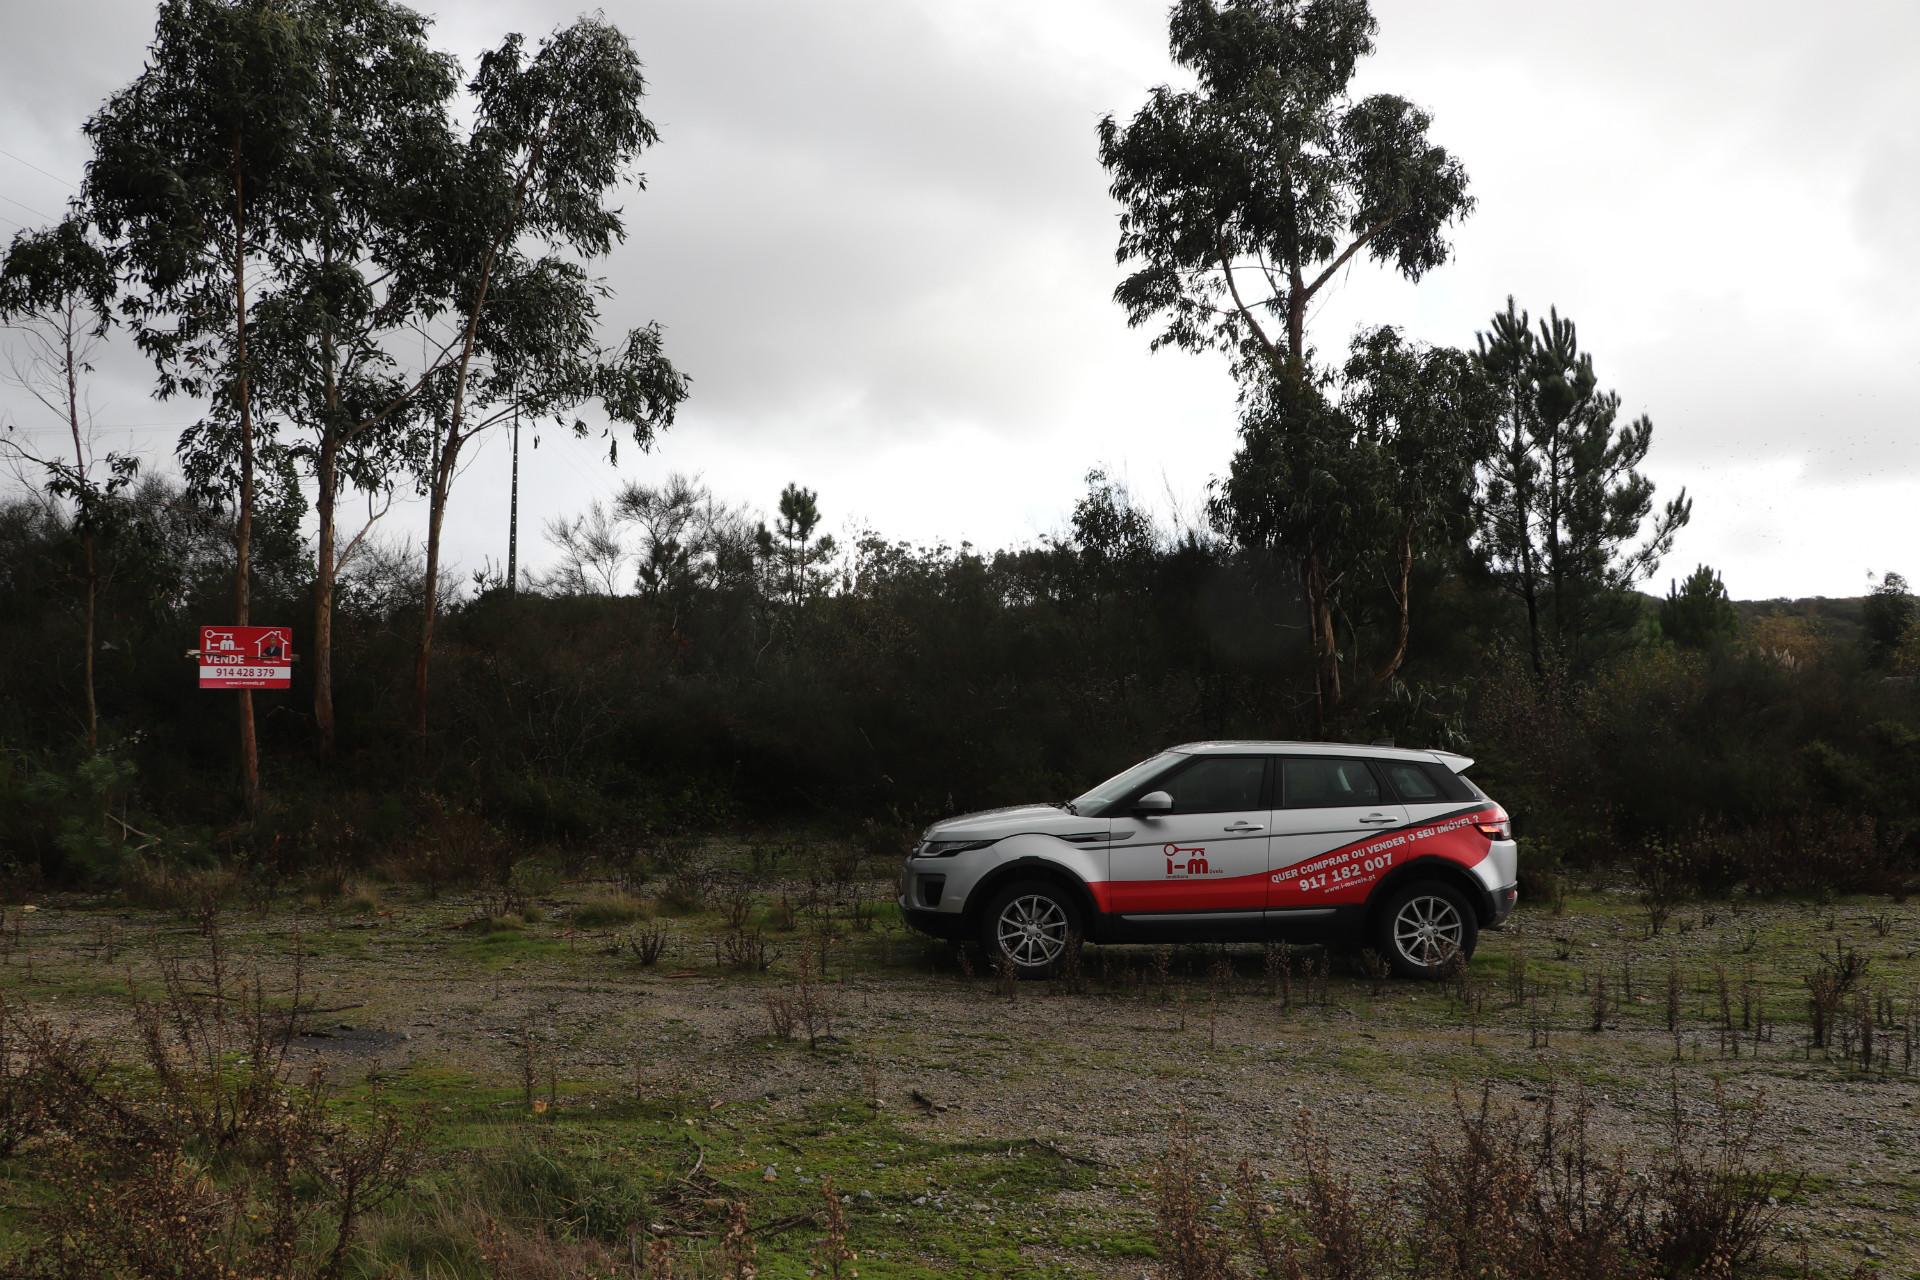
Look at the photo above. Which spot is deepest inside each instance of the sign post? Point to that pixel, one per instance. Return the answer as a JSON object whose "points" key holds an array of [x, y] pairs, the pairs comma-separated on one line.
{"points": [[246, 657]]}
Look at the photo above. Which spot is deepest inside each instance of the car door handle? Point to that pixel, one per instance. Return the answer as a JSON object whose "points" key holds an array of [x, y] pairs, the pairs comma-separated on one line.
{"points": [[1379, 819], [1245, 826]]}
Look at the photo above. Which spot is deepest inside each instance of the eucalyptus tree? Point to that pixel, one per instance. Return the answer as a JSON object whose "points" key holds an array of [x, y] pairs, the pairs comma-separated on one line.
{"points": [[1565, 498], [1428, 413], [198, 177], [338, 311], [1306, 482], [56, 297], [523, 200], [1242, 197], [1241, 200]]}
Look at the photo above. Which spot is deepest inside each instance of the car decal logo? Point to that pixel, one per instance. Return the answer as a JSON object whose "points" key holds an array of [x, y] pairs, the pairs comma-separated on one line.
{"points": [[1182, 861]]}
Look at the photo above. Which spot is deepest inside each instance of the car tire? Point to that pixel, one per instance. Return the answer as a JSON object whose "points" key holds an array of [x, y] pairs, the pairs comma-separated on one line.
{"points": [[1033, 926], [1425, 930]]}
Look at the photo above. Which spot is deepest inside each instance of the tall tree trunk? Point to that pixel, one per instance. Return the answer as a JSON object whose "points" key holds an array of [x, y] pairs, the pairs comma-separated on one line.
{"points": [[1523, 534], [1326, 649], [93, 595], [430, 605], [1533, 625], [326, 471], [1556, 582], [243, 526], [86, 520], [1402, 598], [445, 462], [1296, 327], [327, 474]]}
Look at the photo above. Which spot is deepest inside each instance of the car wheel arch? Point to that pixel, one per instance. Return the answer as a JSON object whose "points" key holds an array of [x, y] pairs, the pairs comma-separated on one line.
{"points": [[1030, 868], [1446, 871]]}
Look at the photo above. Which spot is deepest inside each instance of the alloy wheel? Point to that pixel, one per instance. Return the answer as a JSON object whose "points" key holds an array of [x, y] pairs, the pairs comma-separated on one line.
{"points": [[1033, 931], [1427, 931]]}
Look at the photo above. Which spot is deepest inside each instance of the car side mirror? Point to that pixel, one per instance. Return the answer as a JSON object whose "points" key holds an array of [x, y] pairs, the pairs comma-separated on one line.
{"points": [[1153, 802]]}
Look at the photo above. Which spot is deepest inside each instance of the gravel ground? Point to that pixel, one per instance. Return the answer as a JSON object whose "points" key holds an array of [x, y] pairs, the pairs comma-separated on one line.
{"points": [[1099, 1069]]}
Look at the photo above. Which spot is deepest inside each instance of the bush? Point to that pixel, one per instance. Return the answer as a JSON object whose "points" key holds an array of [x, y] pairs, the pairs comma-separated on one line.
{"points": [[1505, 1195], [214, 1164]]}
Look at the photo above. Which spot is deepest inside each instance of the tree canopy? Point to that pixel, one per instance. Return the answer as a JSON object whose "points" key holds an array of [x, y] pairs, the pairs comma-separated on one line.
{"points": [[1243, 197]]}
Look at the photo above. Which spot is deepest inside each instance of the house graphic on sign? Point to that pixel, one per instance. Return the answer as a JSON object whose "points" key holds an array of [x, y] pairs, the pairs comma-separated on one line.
{"points": [[271, 645]]}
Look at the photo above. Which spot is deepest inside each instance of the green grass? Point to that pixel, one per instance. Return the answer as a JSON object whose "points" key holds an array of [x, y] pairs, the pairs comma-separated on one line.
{"points": [[499, 942], [580, 1178], [608, 910]]}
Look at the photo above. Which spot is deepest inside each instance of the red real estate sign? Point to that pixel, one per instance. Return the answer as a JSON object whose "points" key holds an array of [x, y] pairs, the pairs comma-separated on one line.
{"points": [[246, 657]]}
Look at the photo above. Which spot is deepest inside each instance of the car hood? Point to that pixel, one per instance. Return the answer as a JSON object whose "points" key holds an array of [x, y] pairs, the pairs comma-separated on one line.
{"points": [[997, 824]]}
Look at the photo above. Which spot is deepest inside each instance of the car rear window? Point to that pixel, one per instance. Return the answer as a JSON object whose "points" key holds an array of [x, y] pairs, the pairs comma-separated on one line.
{"points": [[1433, 782], [1314, 782], [1412, 783]]}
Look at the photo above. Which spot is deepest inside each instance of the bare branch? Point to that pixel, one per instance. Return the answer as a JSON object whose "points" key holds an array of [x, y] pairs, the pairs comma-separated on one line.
{"points": [[1345, 256]]}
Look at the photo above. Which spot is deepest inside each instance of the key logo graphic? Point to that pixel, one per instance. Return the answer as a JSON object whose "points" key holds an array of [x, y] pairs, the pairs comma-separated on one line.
{"points": [[1184, 861]]}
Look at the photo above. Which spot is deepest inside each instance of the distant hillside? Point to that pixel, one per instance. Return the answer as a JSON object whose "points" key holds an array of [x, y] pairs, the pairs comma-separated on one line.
{"points": [[1835, 619], [1838, 618]]}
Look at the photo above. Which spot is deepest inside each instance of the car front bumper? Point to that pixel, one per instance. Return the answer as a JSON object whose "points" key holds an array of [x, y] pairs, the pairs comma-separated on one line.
{"points": [[950, 925]]}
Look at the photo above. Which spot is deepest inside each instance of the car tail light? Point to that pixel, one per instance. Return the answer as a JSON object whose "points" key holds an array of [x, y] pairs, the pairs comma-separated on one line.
{"points": [[1501, 830]]}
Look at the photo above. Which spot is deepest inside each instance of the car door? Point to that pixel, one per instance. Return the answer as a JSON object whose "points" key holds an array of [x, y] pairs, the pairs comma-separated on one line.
{"points": [[1334, 834], [1207, 854]]}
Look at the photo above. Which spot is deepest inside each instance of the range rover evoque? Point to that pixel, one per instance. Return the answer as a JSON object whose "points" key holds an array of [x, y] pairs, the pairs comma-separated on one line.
{"points": [[1230, 842]]}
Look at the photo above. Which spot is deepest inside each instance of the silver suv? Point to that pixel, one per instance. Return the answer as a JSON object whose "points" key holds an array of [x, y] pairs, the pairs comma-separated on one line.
{"points": [[1230, 842]]}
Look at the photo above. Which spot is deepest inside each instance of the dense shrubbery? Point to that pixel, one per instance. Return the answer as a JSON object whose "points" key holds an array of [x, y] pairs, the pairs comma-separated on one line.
{"points": [[1734, 768], [916, 682]]}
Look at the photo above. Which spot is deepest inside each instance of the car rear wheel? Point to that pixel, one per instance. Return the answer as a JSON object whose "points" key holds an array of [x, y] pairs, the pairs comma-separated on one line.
{"points": [[1425, 930], [1031, 926]]}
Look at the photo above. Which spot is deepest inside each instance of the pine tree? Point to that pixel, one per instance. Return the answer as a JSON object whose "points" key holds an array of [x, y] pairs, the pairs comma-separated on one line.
{"points": [[803, 558], [1697, 613], [1565, 498]]}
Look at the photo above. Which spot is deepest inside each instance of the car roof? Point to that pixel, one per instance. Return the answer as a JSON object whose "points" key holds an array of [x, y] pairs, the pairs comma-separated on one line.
{"points": [[1452, 760]]}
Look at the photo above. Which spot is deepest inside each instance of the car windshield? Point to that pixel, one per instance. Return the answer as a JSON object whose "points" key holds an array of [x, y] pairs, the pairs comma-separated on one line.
{"points": [[1123, 784]]}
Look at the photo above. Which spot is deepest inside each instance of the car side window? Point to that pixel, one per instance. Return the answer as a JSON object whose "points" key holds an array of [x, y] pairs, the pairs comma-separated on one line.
{"points": [[1317, 782], [1413, 783], [1219, 784]]}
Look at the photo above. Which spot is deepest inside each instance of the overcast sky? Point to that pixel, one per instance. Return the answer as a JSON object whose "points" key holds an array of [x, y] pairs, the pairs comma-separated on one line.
{"points": [[879, 240]]}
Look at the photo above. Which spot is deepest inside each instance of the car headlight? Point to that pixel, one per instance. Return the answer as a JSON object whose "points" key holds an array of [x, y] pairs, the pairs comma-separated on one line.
{"points": [[947, 848]]}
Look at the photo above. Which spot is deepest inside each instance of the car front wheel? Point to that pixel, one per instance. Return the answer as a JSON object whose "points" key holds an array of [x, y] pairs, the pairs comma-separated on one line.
{"points": [[1032, 927], [1425, 930]]}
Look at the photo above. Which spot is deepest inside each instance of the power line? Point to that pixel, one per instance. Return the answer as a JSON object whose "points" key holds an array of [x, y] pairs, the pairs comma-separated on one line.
{"points": [[119, 426], [37, 169], [29, 208]]}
